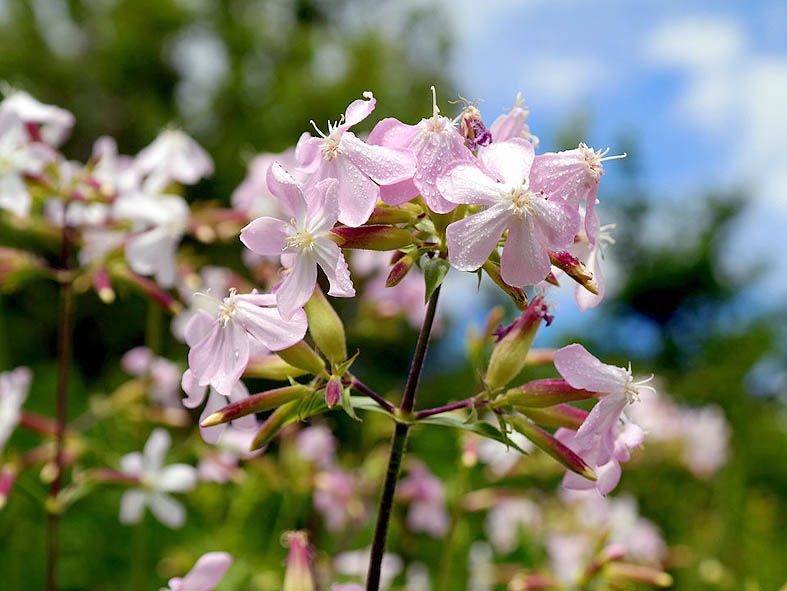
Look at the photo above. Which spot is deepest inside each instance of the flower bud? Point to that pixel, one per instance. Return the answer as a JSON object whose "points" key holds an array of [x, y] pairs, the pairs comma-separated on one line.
{"points": [[574, 268], [103, 286], [561, 415], [399, 270], [543, 393], [284, 415], [257, 403], [392, 215], [375, 237], [298, 576], [473, 129], [546, 442], [510, 353], [271, 367], [326, 327], [302, 356], [333, 391], [623, 573], [517, 294]]}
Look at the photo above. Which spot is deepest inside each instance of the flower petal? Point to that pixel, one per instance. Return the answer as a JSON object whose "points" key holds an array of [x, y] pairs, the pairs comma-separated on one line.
{"points": [[472, 239], [524, 260], [582, 370], [132, 505], [384, 165], [331, 259], [167, 510], [509, 162], [266, 236], [207, 572], [286, 189], [155, 449], [176, 478], [466, 183], [297, 287]]}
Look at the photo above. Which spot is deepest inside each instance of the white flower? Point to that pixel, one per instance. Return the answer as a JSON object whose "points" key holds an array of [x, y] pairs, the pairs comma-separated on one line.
{"points": [[13, 393], [157, 481]]}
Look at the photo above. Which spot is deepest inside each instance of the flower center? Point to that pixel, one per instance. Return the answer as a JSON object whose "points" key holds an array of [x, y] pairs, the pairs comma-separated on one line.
{"points": [[227, 308], [330, 145], [594, 158], [299, 238], [521, 201]]}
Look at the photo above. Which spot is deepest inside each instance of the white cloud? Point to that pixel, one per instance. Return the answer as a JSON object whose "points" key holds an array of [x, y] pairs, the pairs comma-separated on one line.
{"points": [[565, 79], [696, 43]]}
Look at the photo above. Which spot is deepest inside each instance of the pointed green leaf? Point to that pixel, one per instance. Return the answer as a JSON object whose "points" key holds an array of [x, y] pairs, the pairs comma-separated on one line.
{"points": [[435, 270]]}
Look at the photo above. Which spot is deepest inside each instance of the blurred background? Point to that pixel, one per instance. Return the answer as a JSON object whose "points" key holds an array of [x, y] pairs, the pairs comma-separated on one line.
{"points": [[693, 91]]}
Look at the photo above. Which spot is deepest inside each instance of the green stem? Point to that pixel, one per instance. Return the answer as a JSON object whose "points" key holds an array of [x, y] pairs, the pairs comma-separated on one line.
{"points": [[398, 443], [64, 343]]}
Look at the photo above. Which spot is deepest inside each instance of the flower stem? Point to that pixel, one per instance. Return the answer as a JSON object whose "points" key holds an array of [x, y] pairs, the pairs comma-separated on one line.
{"points": [[468, 403], [398, 443], [366, 390], [63, 362]]}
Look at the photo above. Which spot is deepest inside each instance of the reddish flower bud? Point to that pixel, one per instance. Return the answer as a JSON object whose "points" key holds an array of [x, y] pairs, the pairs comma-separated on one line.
{"points": [[333, 392], [574, 268], [298, 576]]}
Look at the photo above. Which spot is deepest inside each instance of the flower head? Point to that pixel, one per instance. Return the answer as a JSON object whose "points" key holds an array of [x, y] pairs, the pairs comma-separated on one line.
{"points": [[303, 235], [224, 332], [534, 221], [359, 167]]}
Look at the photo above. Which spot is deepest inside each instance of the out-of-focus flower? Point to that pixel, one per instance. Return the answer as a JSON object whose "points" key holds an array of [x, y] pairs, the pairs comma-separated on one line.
{"points": [[223, 334], [195, 394], [206, 574], [426, 495], [302, 237], [298, 576], [317, 444], [355, 563], [14, 386], [534, 220], [164, 375], [221, 464], [54, 123], [359, 167], [157, 480], [504, 519], [252, 196], [501, 458], [174, 156], [18, 157], [337, 499]]}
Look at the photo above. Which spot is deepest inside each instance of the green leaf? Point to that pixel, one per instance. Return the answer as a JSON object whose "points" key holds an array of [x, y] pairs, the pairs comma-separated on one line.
{"points": [[347, 404], [479, 428], [435, 270]]}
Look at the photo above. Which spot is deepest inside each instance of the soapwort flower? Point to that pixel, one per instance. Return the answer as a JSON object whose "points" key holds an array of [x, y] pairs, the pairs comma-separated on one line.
{"points": [[535, 222], [604, 438], [302, 239], [358, 166], [224, 332]]}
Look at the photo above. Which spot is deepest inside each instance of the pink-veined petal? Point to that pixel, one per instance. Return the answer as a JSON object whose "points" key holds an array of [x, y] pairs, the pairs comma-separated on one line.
{"points": [[472, 239], [331, 259], [598, 430], [392, 133], [508, 162], [132, 506], [357, 193], [297, 287], [167, 510], [269, 327], [307, 152], [402, 192], [215, 402], [582, 370], [195, 393], [524, 260], [266, 236], [384, 165], [287, 191], [556, 222], [323, 206], [466, 183], [359, 109], [608, 476]]}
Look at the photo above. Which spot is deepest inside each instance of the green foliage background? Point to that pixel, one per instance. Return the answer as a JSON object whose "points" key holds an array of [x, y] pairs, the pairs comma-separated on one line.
{"points": [[287, 62]]}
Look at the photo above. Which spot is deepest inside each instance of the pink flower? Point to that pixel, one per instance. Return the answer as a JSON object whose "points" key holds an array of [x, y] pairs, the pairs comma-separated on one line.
{"points": [[534, 221], [303, 235], [513, 124], [253, 196], [436, 143], [222, 335], [205, 575], [164, 375], [426, 495], [603, 439], [574, 176], [337, 499], [358, 167], [195, 394]]}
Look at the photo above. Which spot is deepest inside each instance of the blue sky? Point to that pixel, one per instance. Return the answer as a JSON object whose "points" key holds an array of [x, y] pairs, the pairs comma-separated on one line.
{"points": [[702, 84]]}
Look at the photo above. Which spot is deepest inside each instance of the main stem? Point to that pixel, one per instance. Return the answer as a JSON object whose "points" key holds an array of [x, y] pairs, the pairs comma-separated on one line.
{"points": [[63, 362], [398, 443]]}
